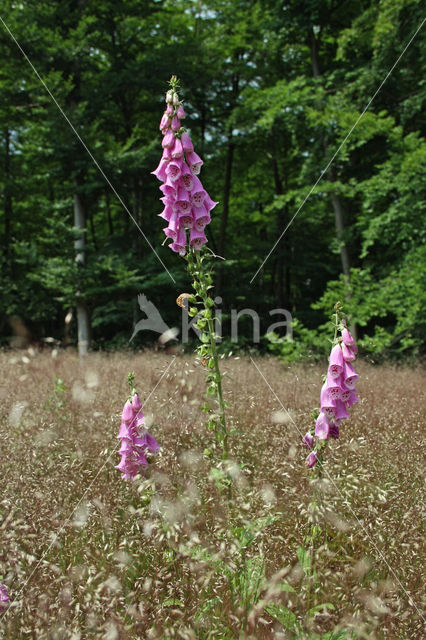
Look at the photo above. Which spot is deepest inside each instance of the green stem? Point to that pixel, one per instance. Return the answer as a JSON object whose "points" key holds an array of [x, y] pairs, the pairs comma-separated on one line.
{"points": [[214, 355]]}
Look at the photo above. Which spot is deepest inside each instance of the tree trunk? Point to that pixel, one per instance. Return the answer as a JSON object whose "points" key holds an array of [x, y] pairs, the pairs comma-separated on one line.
{"points": [[7, 202], [83, 322], [335, 198]]}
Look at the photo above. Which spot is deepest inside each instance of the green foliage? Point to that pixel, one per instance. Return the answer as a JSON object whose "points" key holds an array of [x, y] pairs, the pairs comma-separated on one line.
{"points": [[271, 91]]}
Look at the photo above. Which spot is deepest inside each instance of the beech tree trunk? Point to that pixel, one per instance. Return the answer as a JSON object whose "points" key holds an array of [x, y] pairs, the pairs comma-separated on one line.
{"points": [[83, 321], [7, 197]]}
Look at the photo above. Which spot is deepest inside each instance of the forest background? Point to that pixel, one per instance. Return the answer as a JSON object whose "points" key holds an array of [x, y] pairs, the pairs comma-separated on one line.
{"points": [[271, 89]]}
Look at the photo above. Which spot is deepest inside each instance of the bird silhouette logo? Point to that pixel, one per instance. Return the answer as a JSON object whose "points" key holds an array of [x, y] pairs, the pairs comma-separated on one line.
{"points": [[153, 321]]}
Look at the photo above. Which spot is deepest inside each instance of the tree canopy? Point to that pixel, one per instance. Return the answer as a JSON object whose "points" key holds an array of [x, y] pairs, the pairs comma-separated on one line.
{"points": [[272, 90]]}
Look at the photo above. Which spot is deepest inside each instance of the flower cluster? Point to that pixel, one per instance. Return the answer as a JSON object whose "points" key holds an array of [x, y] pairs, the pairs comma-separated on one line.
{"points": [[338, 394], [187, 204], [4, 598], [136, 442]]}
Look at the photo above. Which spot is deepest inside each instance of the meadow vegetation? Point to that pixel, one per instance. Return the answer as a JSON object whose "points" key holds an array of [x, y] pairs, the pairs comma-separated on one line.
{"points": [[178, 555]]}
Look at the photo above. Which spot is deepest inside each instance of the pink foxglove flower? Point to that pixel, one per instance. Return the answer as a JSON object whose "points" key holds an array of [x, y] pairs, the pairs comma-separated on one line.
{"points": [[312, 459], [186, 203], [338, 394], [308, 440], [136, 442], [4, 598]]}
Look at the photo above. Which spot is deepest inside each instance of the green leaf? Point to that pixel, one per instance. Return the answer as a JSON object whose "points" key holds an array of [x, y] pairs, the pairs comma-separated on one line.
{"points": [[286, 617]]}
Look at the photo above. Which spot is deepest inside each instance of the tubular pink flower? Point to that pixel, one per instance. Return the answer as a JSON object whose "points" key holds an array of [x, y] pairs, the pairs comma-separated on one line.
{"points": [[164, 121], [198, 193], [336, 362], [322, 427], [167, 154], [186, 220], [174, 169], [124, 431], [160, 172], [179, 246], [347, 338], [136, 403], [167, 212], [328, 405], [170, 110], [186, 142], [209, 203], [168, 140], [308, 440], [333, 386], [194, 162], [311, 460], [197, 239], [348, 353], [175, 124], [341, 412], [201, 217], [127, 414], [180, 112], [177, 151], [186, 177], [350, 376], [345, 393]]}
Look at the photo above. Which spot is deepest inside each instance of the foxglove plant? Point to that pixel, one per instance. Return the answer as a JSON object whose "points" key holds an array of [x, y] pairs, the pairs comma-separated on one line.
{"points": [[187, 207], [187, 204], [338, 392], [136, 442]]}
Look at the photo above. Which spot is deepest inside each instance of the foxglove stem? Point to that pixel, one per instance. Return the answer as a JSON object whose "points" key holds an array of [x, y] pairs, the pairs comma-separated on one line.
{"points": [[208, 351]]}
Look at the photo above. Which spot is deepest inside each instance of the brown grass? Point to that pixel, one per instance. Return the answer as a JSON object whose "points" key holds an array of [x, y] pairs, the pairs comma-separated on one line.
{"points": [[128, 562]]}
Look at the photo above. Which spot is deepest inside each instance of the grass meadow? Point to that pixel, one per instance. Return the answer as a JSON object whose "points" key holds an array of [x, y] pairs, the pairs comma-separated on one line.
{"points": [[87, 555]]}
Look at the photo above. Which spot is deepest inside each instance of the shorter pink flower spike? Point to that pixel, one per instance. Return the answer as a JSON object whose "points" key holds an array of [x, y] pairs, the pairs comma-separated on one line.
{"points": [[311, 460]]}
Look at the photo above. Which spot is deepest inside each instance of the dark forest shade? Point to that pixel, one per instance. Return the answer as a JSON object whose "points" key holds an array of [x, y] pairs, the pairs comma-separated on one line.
{"points": [[272, 89]]}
